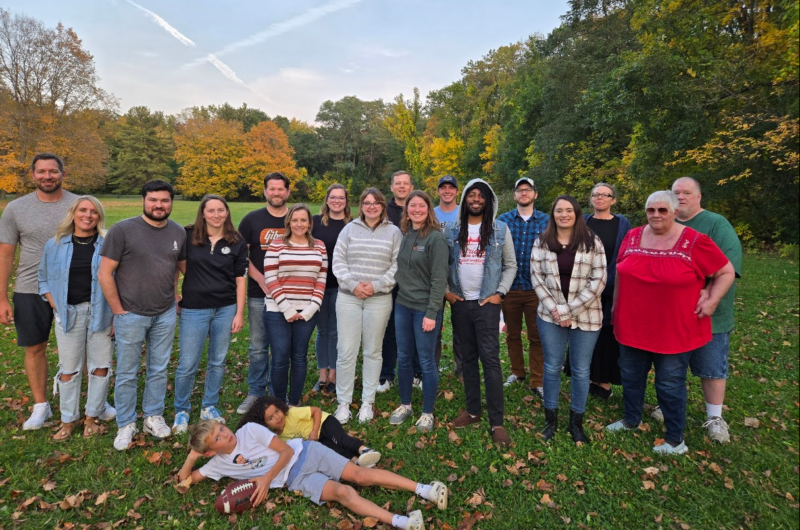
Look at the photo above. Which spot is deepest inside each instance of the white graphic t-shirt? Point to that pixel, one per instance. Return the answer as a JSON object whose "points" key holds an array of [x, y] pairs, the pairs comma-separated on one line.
{"points": [[252, 457], [470, 266]]}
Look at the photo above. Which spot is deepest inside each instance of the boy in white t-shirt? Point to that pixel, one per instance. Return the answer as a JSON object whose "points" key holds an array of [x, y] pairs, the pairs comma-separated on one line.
{"points": [[256, 453]]}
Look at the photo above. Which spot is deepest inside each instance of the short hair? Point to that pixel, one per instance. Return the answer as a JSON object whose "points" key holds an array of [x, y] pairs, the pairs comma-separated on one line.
{"points": [[430, 223], [158, 185], [402, 172], [689, 177], [287, 224], [665, 196], [275, 175], [47, 156], [67, 225], [379, 198], [199, 433], [604, 185]]}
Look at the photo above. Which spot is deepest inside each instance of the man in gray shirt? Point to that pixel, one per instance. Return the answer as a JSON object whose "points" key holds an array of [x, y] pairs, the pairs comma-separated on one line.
{"points": [[140, 257], [30, 221]]}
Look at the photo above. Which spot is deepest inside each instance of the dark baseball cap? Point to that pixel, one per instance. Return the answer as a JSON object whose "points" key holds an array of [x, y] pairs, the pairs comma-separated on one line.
{"points": [[448, 179], [525, 180]]}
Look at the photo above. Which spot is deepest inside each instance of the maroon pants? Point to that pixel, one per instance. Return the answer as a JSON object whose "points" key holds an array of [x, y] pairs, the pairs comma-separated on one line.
{"points": [[516, 305]]}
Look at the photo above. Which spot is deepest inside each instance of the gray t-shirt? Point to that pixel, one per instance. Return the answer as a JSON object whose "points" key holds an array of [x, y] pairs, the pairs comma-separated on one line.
{"points": [[30, 223], [147, 259]]}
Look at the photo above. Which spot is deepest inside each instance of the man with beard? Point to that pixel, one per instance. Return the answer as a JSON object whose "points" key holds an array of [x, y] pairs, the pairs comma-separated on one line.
{"points": [[526, 223], [30, 221], [482, 267], [259, 228], [140, 257]]}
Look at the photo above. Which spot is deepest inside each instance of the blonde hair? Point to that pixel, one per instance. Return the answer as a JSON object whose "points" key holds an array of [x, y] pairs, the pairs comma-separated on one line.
{"points": [[67, 225], [199, 433], [287, 224]]}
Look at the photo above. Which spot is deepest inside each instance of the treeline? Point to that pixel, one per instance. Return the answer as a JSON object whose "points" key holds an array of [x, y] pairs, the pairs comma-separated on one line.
{"points": [[634, 92]]}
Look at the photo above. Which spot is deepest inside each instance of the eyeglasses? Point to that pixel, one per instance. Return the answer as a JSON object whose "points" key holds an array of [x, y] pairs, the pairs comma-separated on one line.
{"points": [[662, 211], [337, 199], [370, 204], [524, 190], [602, 196]]}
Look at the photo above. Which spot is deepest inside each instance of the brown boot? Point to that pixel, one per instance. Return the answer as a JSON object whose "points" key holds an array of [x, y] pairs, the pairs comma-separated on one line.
{"points": [[500, 436], [464, 419]]}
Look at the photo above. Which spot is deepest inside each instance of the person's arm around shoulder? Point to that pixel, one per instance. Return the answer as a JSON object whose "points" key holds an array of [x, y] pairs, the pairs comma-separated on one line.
{"points": [[262, 483]]}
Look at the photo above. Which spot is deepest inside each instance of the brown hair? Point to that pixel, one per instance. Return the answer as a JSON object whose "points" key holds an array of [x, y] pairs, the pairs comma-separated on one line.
{"points": [[199, 230], [287, 224], [199, 433], [430, 223], [582, 235], [379, 198], [324, 210], [255, 414]]}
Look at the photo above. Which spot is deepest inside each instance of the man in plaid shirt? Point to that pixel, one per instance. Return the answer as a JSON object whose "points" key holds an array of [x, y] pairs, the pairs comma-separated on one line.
{"points": [[526, 223]]}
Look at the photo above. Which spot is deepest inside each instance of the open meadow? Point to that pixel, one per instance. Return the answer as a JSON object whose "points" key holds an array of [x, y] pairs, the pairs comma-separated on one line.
{"points": [[614, 482]]}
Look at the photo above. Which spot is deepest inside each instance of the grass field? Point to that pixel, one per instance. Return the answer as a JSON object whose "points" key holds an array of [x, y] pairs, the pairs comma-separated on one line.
{"points": [[614, 482]]}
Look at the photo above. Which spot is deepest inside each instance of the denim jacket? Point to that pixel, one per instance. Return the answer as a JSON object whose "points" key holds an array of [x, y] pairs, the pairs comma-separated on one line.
{"points": [[500, 262], [54, 279]]}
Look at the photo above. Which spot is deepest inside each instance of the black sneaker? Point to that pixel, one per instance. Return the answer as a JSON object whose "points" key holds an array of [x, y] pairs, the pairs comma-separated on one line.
{"points": [[600, 392], [538, 392]]}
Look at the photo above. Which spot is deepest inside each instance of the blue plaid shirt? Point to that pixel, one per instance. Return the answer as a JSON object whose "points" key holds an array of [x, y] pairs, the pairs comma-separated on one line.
{"points": [[524, 233]]}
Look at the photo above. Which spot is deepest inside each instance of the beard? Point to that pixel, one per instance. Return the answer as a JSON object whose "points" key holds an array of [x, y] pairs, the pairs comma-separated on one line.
{"points": [[476, 212], [276, 202], [156, 216], [49, 187]]}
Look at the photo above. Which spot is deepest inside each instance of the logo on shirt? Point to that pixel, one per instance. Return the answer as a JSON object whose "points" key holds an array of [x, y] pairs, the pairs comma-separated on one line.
{"points": [[225, 250], [174, 245], [268, 235], [420, 248]]}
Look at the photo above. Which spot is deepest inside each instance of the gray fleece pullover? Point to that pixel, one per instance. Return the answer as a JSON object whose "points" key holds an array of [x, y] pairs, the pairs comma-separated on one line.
{"points": [[364, 254]]}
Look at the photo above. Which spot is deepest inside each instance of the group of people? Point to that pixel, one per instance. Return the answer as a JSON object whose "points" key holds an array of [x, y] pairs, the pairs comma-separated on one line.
{"points": [[611, 299]]}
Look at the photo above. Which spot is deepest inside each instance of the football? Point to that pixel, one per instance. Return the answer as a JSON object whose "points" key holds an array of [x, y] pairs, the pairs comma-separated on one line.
{"points": [[235, 498]]}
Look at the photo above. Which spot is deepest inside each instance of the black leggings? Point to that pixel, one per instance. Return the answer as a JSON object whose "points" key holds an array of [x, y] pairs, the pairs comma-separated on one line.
{"points": [[332, 436]]}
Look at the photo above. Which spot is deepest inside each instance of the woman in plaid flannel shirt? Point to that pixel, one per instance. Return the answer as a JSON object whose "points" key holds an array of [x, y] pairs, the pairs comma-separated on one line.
{"points": [[568, 272]]}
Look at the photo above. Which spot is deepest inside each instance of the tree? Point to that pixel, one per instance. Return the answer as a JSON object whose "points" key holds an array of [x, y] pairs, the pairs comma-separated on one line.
{"points": [[403, 122], [268, 150]]}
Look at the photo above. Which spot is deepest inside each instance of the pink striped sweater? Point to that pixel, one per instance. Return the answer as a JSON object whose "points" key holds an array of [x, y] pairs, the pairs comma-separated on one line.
{"points": [[295, 277]]}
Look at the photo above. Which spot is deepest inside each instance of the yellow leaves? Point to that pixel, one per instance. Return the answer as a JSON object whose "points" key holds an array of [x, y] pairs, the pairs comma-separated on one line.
{"points": [[491, 140]]}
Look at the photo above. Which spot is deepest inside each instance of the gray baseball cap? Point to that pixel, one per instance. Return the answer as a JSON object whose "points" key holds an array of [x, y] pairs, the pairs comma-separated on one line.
{"points": [[525, 180]]}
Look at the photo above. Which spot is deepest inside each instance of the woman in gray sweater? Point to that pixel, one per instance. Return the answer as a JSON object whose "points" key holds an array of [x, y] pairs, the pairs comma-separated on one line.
{"points": [[422, 278], [364, 263]]}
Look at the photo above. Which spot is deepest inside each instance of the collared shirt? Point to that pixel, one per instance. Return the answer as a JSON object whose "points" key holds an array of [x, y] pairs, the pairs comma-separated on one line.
{"points": [[524, 233]]}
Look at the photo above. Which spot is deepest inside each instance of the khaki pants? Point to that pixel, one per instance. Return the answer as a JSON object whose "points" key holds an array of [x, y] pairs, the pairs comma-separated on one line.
{"points": [[517, 304]]}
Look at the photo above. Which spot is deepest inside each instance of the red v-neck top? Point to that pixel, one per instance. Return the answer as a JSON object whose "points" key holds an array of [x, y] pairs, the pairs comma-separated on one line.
{"points": [[659, 289]]}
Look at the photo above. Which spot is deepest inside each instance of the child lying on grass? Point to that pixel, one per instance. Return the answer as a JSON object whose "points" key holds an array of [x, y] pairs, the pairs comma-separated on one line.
{"points": [[256, 453], [309, 423]]}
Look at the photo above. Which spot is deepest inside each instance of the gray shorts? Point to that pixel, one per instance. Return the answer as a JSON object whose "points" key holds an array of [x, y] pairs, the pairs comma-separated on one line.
{"points": [[317, 465]]}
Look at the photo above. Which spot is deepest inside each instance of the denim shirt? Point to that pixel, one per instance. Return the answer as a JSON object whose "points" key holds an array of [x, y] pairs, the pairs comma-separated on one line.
{"points": [[497, 278], [54, 279]]}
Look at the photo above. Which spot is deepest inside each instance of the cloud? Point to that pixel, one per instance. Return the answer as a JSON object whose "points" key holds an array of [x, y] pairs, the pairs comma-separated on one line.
{"points": [[383, 52], [186, 41], [299, 74]]}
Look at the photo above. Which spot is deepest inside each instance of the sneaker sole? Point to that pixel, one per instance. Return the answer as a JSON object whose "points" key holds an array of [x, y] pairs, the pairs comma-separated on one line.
{"points": [[369, 459], [154, 435]]}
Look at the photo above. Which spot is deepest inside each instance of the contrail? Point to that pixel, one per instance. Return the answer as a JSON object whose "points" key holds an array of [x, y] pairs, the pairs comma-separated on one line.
{"points": [[186, 41], [224, 69], [279, 28]]}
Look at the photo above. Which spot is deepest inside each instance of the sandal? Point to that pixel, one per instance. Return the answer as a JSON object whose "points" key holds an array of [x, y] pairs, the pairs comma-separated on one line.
{"points": [[65, 431], [92, 427]]}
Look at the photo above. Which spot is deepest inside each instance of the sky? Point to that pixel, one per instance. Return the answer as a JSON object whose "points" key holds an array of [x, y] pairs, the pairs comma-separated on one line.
{"points": [[286, 57]]}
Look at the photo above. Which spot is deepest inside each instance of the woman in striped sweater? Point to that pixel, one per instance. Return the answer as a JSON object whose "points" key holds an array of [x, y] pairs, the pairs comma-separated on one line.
{"points": [[295, 269], [364, 262]]}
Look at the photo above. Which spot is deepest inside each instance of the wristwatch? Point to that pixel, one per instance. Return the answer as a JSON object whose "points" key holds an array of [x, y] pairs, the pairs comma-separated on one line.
{"points": [[502, 296]]}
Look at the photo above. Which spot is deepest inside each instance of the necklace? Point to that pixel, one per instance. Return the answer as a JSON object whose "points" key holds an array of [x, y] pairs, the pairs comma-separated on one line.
{"points": [[83, 240]]}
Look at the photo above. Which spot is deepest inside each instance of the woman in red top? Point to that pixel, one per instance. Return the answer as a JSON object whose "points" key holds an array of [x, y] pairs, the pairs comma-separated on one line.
{"points": [[670, 279]]}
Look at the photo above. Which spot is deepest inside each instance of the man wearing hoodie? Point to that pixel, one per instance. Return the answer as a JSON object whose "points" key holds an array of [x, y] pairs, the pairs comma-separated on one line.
{"points": [[482, 267]]}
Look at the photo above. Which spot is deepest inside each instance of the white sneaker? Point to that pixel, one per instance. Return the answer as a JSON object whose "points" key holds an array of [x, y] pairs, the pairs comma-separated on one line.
{"points": [[157, 427], [439, 494], [384, 387], [417, 383], [365, 414], [368, 458], [125, 437], [667, 449], [181, 423], [718, 430], [246, 404], [211, 413], [41, 413], [415, 521], [425, 423], [108, 414], [657, 414], [513, 379], [342, 413], [400, 414]]}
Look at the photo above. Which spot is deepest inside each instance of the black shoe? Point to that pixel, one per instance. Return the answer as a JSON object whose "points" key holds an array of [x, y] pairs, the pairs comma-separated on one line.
{"points": [[576, 427], [538, 392], [550, 423], [600, 392]]}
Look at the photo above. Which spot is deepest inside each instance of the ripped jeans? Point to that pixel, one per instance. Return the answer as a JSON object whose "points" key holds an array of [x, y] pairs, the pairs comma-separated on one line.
{"points": [[77, 347]]}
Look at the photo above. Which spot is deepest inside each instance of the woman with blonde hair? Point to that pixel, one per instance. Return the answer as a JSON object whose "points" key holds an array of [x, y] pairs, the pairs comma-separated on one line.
{"points": [[295, 269], [68, 280]]}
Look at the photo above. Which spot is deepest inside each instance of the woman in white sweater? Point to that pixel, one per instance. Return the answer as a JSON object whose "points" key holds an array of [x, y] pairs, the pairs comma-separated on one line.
{"points": [[364, 263]]}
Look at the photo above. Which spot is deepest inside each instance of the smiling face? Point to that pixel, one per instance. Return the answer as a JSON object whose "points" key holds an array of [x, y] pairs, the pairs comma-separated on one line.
{"points": [[46, 176], [401, 187], [524, 195], [336, 201], [372, 210], [299, 223], [157, 205], [447, 194], [215, 213], [85, 219], [603, 199], [221, 440], [476, 202], [275, 419], [276, 193], [564, 214], [417, 211]]}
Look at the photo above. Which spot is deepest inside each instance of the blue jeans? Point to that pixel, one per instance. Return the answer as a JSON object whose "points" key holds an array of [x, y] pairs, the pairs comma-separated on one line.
{"points": [[411, 341], [196, 325], [258, 376], [634, 365], [711, 360], [581, 346], [327, 335], [132, 331], [289, 344]]}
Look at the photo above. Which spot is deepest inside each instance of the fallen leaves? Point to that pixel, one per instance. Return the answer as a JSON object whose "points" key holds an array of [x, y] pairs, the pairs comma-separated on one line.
{"points": [[753, 423]]}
